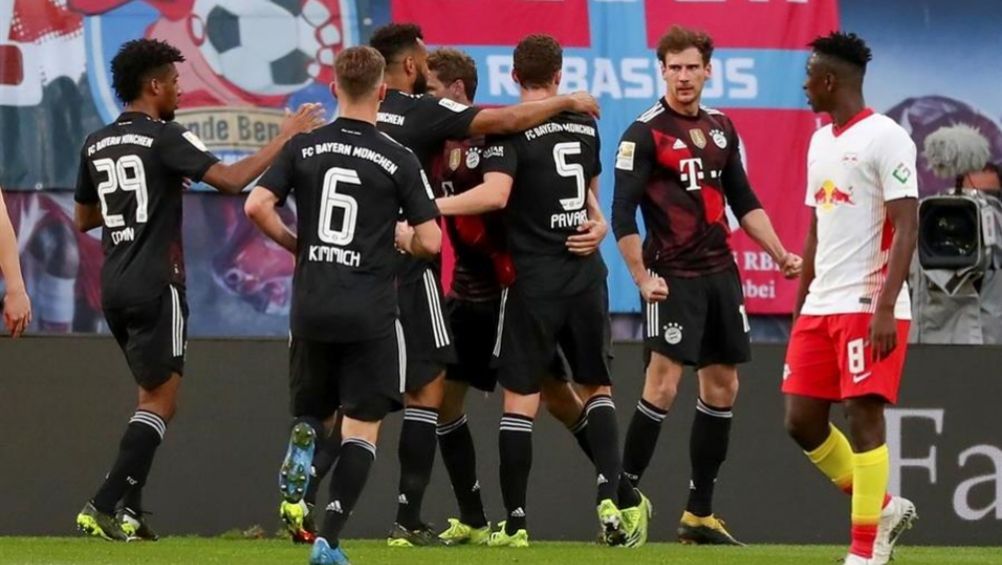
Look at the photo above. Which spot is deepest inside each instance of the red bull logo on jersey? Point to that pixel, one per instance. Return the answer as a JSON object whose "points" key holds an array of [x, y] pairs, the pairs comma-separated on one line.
{"points": [[830, 196]]}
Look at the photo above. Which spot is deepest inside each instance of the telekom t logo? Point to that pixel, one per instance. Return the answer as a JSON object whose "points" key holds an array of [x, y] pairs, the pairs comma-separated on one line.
{"points": [[691, 171]]}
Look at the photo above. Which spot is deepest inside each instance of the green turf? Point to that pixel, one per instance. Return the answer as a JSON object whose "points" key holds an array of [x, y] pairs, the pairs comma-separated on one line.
{"points": [[201, 551]]}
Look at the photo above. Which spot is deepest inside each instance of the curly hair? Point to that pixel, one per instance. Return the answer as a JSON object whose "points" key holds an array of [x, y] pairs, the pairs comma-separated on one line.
{"points": [[846, 47], [393, 39], [136, 62]]}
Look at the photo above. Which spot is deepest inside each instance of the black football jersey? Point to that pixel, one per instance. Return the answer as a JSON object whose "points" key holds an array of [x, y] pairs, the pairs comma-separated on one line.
{"points": [[135, 169], [350, 182], [682, 171], [423, 124], [552, 166]]}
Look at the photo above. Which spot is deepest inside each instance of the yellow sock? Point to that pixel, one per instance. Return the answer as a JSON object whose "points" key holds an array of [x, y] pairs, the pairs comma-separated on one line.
{"points": [[834, 459], [869, 483]]}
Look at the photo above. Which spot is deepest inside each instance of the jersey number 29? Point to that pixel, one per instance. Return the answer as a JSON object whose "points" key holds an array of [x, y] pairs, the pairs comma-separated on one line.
{"points": [[331, 199], [126, 174]]}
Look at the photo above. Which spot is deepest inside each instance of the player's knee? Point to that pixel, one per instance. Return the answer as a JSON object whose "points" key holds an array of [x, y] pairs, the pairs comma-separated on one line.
{"points": [[661, 392], [722, 392], [796, 427]]}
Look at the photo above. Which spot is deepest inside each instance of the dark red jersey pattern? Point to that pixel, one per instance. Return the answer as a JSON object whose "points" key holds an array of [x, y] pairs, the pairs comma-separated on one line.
{"points": [[682, 171], [478, 241]]}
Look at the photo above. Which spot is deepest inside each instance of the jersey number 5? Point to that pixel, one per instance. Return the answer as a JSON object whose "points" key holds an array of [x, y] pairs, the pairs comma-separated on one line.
{"points": [[575, 170], [332, 199], [126, 174]]}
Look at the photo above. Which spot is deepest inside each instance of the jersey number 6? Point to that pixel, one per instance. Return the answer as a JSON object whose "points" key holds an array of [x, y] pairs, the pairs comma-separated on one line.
{"points": [[332, 199]]}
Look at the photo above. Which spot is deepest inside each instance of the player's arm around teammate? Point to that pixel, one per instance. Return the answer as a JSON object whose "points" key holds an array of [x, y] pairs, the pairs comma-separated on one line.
{"points": [[16, 304]]}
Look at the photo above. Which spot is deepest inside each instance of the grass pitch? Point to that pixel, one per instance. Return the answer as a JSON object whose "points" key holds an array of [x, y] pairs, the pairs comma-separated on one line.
{"points": [[203, 551]]}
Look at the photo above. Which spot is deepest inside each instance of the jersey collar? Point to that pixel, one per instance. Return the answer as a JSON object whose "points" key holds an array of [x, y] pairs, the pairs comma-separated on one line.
{"points": [[862, 115], [664, 104], [132, 116]]}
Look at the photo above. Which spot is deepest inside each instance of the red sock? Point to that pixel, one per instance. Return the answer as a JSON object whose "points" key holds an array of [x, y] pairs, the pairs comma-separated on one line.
{"points": [[863, 537]]}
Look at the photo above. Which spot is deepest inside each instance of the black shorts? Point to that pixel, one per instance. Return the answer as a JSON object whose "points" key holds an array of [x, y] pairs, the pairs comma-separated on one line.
{"points": [[153, 335], [475, 326], [361, 379], [702, 322], [535, 329], [426, 330]]}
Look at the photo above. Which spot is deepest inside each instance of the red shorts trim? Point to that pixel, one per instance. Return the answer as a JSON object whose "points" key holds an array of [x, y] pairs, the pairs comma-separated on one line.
{"points": [[829, 357]]}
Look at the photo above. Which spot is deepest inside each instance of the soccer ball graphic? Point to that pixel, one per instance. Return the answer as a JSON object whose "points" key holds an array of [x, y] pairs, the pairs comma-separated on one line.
{"points": [[265, 47]]}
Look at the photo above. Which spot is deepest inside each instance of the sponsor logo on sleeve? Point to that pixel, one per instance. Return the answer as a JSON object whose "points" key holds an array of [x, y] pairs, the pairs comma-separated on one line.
{"points": [[194, 140], [624, 157], [902, 173], [452, 105]]}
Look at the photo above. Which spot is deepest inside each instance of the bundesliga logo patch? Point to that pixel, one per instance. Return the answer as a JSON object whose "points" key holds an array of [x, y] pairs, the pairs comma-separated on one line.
{"points": [[624, 157]]}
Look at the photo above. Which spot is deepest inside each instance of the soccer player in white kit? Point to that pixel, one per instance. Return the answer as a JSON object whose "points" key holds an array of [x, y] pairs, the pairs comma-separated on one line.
{"points": [[853, 311]]}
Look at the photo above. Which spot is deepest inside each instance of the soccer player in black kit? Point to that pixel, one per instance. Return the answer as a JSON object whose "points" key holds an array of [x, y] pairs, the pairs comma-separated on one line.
{"points": [[482, 268], [346, 352], [681, 164], [545, 178], [423, 123], [132, 174]]}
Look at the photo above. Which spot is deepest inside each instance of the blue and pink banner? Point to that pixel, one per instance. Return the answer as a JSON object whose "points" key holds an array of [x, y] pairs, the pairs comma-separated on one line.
{"points": [[609, 49]]}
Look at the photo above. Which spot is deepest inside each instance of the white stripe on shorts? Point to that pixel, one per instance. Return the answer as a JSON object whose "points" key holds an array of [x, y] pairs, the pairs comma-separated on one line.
{"points": [[497, 338], [401, 355], [435, 309], [177, 320]]}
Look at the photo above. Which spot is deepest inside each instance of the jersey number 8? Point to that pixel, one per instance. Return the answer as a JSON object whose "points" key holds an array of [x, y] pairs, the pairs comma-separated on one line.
{"points": [[332, 199], [126, 174]]}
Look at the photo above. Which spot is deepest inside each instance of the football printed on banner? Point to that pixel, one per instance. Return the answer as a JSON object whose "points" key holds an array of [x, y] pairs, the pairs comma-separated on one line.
{"points": [[246, 61], [262, 46]]}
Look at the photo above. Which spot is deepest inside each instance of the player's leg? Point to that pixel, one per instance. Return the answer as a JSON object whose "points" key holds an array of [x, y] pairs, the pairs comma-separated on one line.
{"points": [[324, 456], [711, 433], [585, 340], [672, 340], [724, 345], [661, 379], [867, 387], [299, 517], [313, 401], [474, 325], [430, 350], [153, 337], [515, 450], [350, 473], [524, 346], [564, 404], [460, 458], [366, 378], [416, 452]]}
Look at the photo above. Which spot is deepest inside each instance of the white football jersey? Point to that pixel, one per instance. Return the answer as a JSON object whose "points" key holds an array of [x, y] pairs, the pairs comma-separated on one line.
{"points": [[851, 174]]}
